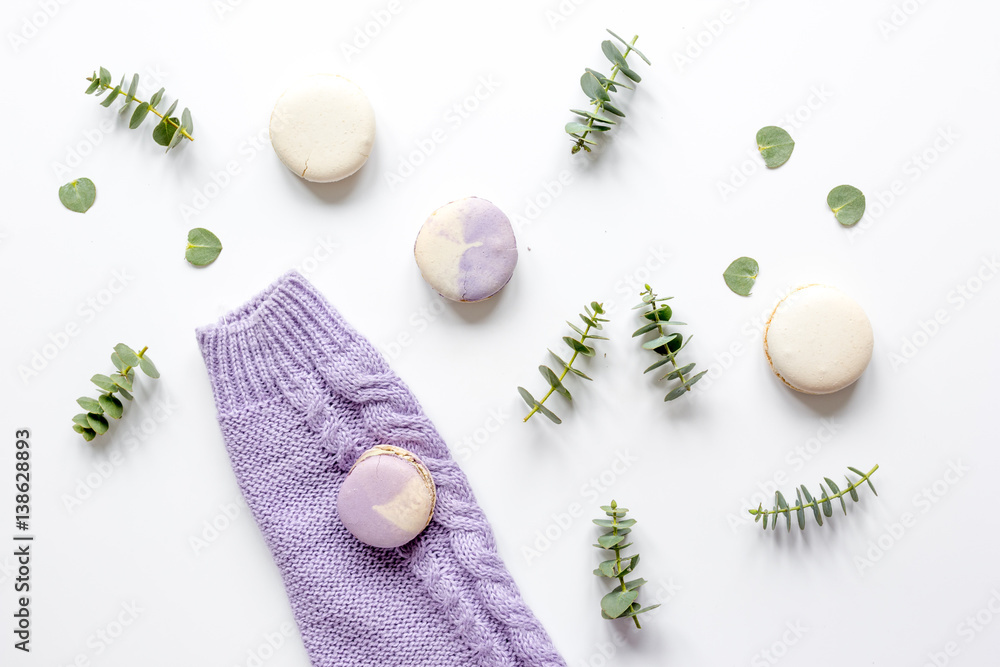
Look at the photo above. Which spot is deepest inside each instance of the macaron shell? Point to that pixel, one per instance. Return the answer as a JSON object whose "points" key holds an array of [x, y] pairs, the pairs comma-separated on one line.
{"points": [[323, 128], [466, 250], [818, 340], [385, 501]]}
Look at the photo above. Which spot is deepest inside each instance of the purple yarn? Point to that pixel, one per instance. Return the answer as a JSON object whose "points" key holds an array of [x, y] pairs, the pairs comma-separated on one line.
{"points": [[300, 396]]}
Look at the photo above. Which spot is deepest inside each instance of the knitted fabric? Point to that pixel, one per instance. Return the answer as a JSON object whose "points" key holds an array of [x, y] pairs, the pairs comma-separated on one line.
{"points": [[300, 396]]}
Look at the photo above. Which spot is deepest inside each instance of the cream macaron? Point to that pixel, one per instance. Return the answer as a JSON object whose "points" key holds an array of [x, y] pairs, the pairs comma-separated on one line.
{"points": [[323, 128], [818, 340]]}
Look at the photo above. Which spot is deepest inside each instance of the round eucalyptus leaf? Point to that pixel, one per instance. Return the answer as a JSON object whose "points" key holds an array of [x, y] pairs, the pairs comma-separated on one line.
{"points": [[847, 204], [203, 247], [775, 145], [78, 195], [741, 274]]}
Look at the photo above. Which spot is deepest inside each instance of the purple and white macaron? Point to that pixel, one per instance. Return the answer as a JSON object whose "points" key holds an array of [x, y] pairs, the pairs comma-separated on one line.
{"points": [[387, 498], [466, 250]]}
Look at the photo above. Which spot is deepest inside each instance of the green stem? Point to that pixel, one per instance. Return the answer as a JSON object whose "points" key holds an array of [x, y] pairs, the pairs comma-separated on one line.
{"points": [[659, 328], [151, 108], [599, 104], [816, 501], [562, 377], [618, 561]]}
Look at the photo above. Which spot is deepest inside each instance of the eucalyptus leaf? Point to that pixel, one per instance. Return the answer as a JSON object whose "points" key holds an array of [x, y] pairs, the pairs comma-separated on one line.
{"points": [[138, 115], [78, 195], [847, 204], [741, 274], [592, 87], [775, 145], [554, 381], [104, 382], [89, 404], [127, 355], [164, 132], [97, 422], [112, 406], [146, 364], [615, 603], [576, 128], [203, 247], [105, 77]]}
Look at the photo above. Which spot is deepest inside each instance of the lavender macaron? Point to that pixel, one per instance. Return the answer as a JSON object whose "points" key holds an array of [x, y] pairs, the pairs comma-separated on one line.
{"points": [[466, 250], [387, 498]]}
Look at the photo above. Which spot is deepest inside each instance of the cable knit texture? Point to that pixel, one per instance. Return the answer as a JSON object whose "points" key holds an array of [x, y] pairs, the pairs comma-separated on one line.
{"points": [[300, 396]]}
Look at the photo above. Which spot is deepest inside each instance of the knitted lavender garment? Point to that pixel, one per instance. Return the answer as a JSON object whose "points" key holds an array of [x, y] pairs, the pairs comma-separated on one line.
{"points": [[300, 396]]}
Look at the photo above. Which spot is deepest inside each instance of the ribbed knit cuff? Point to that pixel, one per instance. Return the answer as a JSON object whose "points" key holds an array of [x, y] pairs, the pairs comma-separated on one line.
{"points": [[255, 352]]}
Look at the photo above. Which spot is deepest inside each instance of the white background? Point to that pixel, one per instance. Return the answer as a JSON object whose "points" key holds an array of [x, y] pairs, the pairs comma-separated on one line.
{"points": [[118, 521]]}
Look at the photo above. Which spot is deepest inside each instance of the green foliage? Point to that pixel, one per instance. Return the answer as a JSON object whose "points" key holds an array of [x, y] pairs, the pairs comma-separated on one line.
{"points": [[847, 204], [741, 274], [168, 132], [94, 421], [78, 195], [592, 321], [667, 345], [599, 88], [203, 247], [621, 602], [822, 506], [775, 145]]}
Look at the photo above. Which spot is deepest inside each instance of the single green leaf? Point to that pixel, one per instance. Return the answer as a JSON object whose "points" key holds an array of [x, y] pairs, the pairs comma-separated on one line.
{"points": [[87, 433], [121, 381], [659, 341], [203, 247], [117, 361], [164, 132], [615, 603], [81, 420], [579, 347], [177, 136], [610, 108], [675, 393], [127, 355], [112, 406], [90, 404], [657, 364], [97, 422], [130, 95], [676, 373], [592, 87], [105, 77], [124, 394], [635, 584], [527, 397], [549, 414], [607, 568], [646, 328], [851, 489], [95, 83], [155, 99], [800, 513], [631, 74], [741, 274], [608, 541], [576, 128], [146, 364], [78, 195], [104, 382], [186, 121], [827, 505], [554, 382], [836, 491], [138, 115], [612, 53], [775, 145], [847, 204], [111, 97]]}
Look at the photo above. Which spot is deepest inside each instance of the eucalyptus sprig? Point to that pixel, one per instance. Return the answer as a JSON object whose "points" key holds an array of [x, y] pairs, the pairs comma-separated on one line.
{"points": [[822, 506], [93, 422], [168, 132], [592, 319], [665, 344], [599, 88], [619, 603]]}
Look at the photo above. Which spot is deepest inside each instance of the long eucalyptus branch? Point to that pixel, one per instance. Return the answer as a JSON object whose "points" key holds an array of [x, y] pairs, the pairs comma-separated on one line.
{"points": [[822, 506], [599, 88]]}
